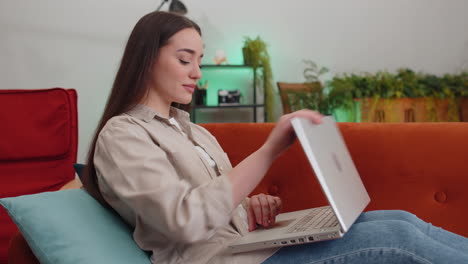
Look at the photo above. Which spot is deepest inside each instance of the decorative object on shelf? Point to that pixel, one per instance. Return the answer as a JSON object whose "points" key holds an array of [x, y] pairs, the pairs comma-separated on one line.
{"points": [[200, 93], [256, 55], [220, 58], [176, 7], [226, 97]]}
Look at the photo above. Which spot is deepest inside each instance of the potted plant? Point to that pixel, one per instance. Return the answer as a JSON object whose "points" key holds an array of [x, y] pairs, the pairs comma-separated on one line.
{"points": [[312, 96], [256, 55], [404, 96], [459, 84]]}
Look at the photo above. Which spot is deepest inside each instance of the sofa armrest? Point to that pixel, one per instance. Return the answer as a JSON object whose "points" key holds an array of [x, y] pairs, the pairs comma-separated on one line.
{"points": [[19, 251]]}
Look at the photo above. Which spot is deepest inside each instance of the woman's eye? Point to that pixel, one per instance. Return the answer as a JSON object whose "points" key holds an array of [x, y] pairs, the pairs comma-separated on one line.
{"points": [[183, 62]]}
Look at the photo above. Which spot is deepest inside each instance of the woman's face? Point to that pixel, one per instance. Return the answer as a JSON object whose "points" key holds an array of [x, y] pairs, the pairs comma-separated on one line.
{"points": [[176, 70]]}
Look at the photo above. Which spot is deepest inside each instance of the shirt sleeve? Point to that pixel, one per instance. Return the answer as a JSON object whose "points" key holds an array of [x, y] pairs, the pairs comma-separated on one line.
{"points": [[140, 175]]}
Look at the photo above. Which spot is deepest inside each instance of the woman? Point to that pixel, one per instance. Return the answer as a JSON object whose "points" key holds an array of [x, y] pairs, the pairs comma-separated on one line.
{"points": [[171, 181]]}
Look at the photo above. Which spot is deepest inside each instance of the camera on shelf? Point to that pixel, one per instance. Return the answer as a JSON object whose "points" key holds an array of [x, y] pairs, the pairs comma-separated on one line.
{"points": [[226, 97]]}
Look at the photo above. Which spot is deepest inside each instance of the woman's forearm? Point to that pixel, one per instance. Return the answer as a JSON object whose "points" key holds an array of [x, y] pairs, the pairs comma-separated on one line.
{"points": [[247, 174]]}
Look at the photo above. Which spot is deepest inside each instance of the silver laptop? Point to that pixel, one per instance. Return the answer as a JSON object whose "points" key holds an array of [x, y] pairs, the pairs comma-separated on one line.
{"points": [[329, 157]]}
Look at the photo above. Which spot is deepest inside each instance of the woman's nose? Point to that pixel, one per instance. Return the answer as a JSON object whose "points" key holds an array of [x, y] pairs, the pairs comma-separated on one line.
{"points": [[196, 72]]}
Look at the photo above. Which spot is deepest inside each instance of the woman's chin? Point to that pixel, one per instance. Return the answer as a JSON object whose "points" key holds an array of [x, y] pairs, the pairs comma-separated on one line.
{"points": [[184, 102]]}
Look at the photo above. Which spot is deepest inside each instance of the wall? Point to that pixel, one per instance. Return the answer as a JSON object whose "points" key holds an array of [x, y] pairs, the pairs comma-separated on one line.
{"points": [[78, 44]]}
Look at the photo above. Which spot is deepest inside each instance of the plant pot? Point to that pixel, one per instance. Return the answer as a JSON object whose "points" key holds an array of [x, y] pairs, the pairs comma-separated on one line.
{"points": [[408, 110], [247, 56], [383, 110], [200, 97], [464, 109]]}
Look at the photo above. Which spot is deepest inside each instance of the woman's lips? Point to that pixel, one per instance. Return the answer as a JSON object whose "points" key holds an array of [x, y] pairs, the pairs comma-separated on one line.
{"points": [[189, 88]]}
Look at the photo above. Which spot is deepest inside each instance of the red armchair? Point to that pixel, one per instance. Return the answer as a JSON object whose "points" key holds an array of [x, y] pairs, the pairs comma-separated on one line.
{"points": [[38, 146]]}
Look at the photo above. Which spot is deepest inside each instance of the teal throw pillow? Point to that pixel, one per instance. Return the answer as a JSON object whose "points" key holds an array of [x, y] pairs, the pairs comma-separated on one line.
{"points": [[70, 226]]}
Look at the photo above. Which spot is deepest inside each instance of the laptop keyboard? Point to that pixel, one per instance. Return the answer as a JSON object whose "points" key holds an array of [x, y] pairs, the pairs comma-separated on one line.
{"points": [[315, 220]]}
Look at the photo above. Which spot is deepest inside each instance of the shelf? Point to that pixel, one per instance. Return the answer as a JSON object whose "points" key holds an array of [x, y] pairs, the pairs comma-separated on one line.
{"points": [[234, 69], [227, 106]]}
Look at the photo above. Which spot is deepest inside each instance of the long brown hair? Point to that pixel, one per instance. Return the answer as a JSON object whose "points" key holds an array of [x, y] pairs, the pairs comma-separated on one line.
{"points": [[130, 85]]}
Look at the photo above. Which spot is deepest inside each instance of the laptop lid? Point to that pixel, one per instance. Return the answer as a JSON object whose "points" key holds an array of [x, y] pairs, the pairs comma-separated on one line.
{"points": [[329, 157]]}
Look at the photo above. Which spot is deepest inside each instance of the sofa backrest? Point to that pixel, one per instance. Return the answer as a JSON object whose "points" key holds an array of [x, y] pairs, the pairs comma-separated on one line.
{"points": [[418, 167], [38, 146]]}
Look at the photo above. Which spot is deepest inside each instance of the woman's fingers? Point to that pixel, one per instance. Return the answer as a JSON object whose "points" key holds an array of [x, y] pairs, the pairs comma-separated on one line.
{"points": [[313, 116], [256, 208], [251, 218], [279, 204], [283, 134], [273, 209], [263, 210], [265, 207]]}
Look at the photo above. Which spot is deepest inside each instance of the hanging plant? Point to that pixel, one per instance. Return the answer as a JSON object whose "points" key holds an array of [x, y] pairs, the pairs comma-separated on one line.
{"points": [[256, 55]]}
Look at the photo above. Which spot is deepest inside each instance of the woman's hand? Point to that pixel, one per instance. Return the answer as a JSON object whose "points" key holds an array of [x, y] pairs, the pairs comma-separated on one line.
{"points": [[249, 172], [262, 209], [283, 134]]}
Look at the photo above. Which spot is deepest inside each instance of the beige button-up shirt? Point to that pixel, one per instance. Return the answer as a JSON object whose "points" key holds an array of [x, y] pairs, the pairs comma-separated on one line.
{"points": [[181, 208]]}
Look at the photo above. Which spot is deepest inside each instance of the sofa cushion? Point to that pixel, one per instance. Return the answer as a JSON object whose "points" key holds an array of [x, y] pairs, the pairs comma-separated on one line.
{"points": [[71, 227], [38, 117]]}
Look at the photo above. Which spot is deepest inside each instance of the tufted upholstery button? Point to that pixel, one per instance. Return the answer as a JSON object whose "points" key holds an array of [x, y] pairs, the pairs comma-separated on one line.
{"points": [[273, 190], [440, 197]]}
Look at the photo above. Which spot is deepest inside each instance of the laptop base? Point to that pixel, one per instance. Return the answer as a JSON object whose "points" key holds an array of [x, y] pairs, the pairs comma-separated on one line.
{"points": [[278, 236]]}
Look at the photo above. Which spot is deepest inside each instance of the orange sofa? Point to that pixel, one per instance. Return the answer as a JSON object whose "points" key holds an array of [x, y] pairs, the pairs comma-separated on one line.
{"points": [[418, 167]]}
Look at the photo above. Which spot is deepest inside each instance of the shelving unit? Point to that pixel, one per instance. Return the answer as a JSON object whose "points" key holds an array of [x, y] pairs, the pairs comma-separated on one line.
{"points": [[254, 105]]}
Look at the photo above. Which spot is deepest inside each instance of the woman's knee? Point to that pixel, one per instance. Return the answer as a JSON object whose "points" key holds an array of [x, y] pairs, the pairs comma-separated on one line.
{"points": [[387, 232], [389, 215], [403, 215], [403, 228]]}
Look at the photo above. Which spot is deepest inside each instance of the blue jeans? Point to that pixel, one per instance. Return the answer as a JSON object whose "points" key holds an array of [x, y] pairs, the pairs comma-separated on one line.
{"points": [[382, 237]]}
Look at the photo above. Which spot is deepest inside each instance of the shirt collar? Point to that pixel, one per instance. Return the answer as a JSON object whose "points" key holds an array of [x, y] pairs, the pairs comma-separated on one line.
{"points": [[147, 114]]}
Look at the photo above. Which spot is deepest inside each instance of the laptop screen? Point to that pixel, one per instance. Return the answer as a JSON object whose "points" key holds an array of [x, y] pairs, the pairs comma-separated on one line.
{"points": [[329, 157]]}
